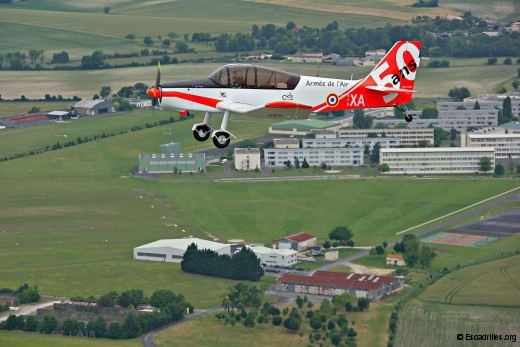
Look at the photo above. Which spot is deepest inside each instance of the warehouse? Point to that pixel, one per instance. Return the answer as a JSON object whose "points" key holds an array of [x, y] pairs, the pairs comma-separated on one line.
{"points": [[170, 160], [172, 250]]}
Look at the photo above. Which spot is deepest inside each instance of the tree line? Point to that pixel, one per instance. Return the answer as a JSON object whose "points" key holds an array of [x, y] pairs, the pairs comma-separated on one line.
{"points": [[243, 265], [171, 308]]}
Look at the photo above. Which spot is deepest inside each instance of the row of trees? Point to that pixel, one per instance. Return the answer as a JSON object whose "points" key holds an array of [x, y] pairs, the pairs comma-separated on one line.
{"points": [[25, 293], [243, 265], [171, 309]]}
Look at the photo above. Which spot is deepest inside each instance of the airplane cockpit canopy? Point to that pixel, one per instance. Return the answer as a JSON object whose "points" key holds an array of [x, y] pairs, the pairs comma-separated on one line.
{"points": [[254, 77]]}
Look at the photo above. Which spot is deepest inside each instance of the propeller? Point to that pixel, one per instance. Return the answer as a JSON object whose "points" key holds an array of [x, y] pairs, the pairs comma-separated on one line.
{"points": [[155, 93]]}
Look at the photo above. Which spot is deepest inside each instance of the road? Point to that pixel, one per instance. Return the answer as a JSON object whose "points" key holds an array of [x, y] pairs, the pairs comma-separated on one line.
{"points": [[30, 308]]}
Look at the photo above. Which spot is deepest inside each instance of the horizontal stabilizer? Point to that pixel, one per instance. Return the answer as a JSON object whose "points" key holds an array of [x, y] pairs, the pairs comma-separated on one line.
{"points": [[390, 89]]}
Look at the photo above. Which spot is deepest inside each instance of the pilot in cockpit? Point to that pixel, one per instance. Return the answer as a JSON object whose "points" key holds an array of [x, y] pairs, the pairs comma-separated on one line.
{"points": [[238, 80]]}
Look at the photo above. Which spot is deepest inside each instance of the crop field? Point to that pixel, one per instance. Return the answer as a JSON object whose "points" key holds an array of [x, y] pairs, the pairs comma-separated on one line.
{"points": [[472, 285], [434, 324], [494, 9], [17, 339]]}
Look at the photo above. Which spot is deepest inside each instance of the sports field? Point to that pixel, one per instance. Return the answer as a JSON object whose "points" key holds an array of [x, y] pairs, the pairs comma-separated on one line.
{"points": [[459, 239]]}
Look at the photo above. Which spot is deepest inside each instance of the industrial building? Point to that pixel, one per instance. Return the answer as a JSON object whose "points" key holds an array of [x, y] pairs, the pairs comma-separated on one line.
{"points": [[439, 160], [297, 242], [247, 158], [170, 160], [274, 157], [507, 146], [332, 283], [407, 137], [275, 257], [172, 250]]}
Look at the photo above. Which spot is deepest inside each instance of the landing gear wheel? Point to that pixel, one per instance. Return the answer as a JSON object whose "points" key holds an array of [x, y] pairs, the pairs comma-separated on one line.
{"points": [[201, 133], [221, 139], [408, 118]]}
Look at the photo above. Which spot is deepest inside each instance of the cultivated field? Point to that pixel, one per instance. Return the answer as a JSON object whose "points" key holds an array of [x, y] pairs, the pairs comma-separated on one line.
{"points": [[434, 324], [472, 285]]}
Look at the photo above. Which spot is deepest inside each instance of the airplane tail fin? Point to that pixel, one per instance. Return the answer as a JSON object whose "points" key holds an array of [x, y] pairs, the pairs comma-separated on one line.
{"points": [[390, 83]]}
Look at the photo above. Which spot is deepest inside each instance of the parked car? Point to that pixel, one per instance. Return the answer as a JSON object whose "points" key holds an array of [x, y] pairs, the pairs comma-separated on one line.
{"points": [[14, 308]]}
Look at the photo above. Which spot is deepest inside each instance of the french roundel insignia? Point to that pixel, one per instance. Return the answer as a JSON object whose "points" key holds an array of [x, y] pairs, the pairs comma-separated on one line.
{"points": [[332, 100]]}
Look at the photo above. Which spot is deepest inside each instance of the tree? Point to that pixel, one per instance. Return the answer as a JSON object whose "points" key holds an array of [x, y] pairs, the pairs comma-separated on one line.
{"points": [[34, 109], [363, 304], [181, 47], [485, 164], [476, 106], [429, 113], [131, 327], [94, 61], [383, 168], [70, 327], [62, 57], [315, 322], [99, 327], [166, 43], [380, 250], [426, 256], [277, 320], [305, 164], [162, 298], [499, 170], [410, 245], [106, 10], [508, 61], [335, 338], [249, 322], [459, 94], [492, 61], [30, 294], [296, 162], [293, 322], [326, 307], [31, 324], [115, 331], [108, 299], [105, 91], [148, 41], [49, 324], [374, 156], [130, 37], [341, 233], [299, 301], [515, 84], [507, 111], [326, 244], [453, 134], [360, 121]]}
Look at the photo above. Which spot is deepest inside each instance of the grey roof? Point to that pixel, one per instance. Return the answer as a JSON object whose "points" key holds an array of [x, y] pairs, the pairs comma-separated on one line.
{"points": [[247, 151], [172, 156], [511, 126], [88, 103], [289, 141], [184, 243]]}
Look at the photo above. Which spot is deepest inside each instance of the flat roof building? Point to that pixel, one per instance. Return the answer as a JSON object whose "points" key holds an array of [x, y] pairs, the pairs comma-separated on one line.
{"points": [[438, 160], [172, 250], [28, 120], [407, 137], [385, 142], [247, 158], [286, 143], [275, 257], [171, 163], [274, 157], [331, 283], [507, 146]]}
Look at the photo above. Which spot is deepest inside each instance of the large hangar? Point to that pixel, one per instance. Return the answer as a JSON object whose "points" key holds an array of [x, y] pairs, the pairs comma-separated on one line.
{"points": [[172, 250]]}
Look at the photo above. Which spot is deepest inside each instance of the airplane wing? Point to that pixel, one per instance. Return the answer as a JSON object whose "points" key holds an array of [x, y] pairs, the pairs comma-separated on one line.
{"points": [[277, 109]]}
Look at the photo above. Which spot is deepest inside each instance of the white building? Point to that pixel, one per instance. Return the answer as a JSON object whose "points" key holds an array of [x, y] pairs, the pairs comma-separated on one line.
{"points": [[385, 142], [272, 257], [172, 250], [289, 142], [497, 101], [139, 103], [407, 137], [274, 157], [439, 160], [247, 158], [507, 146], [303, 57]]}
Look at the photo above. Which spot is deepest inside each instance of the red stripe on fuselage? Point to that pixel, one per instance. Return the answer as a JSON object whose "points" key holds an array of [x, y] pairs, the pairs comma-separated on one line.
{"points": [[203, 100], [286, 104]]}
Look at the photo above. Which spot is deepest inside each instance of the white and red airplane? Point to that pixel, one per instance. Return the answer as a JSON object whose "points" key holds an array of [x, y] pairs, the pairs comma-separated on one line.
{"points": [[262, 91]]}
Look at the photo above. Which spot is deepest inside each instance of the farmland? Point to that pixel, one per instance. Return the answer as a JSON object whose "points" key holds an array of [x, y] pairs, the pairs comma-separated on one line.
{"points": [[434, 324], [17, 339], [471, 285]]}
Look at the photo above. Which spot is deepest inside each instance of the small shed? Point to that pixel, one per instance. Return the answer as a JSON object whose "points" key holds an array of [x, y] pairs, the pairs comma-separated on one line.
{"points": [[395, 259]]}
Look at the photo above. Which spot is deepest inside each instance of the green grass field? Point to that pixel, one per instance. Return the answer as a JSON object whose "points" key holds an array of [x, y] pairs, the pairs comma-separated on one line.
{"points": [[19, 339], [471, 285], [9, 108], [434, 324]]}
